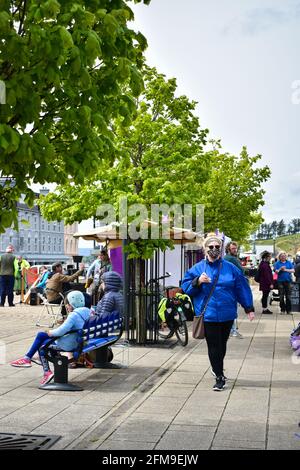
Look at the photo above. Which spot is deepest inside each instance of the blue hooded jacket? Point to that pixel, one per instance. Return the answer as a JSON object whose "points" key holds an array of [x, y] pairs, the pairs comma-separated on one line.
{"points": [[232, 288], [75, 321]]}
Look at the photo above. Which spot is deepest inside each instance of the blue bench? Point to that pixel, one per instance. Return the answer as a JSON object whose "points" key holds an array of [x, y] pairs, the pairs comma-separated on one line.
{"points": [[97, 334]]}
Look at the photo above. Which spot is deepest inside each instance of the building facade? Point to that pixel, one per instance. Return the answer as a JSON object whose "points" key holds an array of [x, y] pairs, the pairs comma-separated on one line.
{"points": [[70, 243], [39, 241]]}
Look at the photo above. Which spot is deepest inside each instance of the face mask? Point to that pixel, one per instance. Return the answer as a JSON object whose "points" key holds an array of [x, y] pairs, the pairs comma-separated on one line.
{"points": [[214, 253]]}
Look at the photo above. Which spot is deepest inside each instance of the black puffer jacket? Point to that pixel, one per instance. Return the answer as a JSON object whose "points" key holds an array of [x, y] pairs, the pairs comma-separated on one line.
{"points": [[112, 299], [297, 270]]}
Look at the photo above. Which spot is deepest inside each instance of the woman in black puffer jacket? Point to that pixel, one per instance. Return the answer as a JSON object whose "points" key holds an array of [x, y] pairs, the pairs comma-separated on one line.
{"points": [[112, 298]]}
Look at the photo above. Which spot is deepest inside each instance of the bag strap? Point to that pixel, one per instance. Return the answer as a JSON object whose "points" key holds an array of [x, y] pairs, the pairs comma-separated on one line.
{"points": [[212, 289]]}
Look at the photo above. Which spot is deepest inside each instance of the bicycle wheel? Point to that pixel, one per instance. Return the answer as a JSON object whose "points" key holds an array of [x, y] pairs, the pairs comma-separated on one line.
{"points": [[182, 332]]}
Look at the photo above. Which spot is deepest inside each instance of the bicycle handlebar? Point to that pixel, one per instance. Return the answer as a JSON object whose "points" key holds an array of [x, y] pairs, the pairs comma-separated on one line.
{"points": [[159, 278]]}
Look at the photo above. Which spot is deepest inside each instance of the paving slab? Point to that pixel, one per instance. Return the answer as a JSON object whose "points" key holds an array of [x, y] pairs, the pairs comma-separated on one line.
{"points": [[164, 399]]}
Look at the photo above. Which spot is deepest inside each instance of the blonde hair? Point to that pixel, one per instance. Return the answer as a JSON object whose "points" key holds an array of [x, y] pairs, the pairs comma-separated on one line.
{"points": [[210, 237]]}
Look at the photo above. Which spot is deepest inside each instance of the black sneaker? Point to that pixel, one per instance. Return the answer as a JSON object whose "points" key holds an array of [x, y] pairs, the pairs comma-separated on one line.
{"points": [[220, 384], [267, 311]]}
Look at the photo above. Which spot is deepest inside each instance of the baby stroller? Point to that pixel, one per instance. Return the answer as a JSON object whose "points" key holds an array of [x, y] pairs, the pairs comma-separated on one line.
{"points": [[274, 294]]}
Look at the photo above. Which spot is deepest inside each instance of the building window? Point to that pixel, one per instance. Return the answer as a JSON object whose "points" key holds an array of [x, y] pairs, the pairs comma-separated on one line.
{"points": [[44, 245], [36, 245], [35, 223], [29, 244], [43, 224], [21, 243], [49, 227], [49, 244]]}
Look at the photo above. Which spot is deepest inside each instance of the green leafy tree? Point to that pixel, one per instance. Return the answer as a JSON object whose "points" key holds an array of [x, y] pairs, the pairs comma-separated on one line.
{"points": [[64, 65], [233, 194], [281, 228], [161, 159]]}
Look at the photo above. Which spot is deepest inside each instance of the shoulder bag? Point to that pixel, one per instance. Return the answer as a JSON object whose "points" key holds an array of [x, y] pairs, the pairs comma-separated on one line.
{"points": [[198, 322]]}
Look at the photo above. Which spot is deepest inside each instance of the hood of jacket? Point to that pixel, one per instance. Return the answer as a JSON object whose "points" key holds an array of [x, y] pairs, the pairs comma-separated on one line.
{"points": [[113, 281]]}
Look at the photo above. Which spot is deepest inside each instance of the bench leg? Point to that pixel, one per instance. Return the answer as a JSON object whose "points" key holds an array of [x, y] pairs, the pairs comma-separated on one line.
{"points": [[101, 360], [61, 377]]}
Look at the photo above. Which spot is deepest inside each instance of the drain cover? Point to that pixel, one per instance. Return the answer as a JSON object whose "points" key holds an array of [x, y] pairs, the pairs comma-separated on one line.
{"points": [[10, 441]]}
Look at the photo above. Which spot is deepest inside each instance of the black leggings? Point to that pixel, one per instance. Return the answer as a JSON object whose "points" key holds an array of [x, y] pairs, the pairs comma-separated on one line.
{"points": [[216, 335], [264, 299]]}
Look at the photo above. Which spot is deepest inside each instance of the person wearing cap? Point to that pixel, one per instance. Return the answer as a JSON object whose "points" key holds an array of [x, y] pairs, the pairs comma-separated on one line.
{"points": [[56, 280], [265, 276], [231, 255], [284, 268], [216, 287], [100, 266], [8, 268], [78, 315]]}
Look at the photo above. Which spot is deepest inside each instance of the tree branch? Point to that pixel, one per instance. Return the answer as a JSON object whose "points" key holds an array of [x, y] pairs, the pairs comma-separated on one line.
{"points": [[21, 25]]}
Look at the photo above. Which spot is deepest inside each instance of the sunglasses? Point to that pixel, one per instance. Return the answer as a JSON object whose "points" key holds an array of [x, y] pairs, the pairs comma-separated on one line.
{"points": [[211, 247]]}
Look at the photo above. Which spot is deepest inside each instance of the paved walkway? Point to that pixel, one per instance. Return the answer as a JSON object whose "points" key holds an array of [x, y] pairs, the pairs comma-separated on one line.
{"points": [[164, 400]]}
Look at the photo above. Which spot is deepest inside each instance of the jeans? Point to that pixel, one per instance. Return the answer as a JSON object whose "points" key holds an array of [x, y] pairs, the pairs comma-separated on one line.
{"points": [[285, 296], [216, 335], [41, 340], [7, 289], [264, 299]]}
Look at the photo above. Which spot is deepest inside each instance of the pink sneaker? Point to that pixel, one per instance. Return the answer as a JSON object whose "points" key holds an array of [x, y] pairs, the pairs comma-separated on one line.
{"points": [[47, 377], [23, 362]]}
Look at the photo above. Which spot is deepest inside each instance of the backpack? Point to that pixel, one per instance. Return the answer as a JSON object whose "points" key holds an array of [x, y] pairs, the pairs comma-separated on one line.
{"points": [[186, 305]]}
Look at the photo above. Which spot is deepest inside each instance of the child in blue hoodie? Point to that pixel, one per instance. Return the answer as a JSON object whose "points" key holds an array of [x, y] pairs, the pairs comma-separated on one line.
{"points": [[78, 314]]}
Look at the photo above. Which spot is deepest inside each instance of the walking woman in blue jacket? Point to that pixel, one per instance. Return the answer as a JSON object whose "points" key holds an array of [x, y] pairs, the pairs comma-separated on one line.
{"points": [[216, 287]]}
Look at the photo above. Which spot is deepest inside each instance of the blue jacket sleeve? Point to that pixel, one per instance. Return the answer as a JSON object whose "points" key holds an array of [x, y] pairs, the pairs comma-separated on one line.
{"points": [[91, 269], [42, 282], [189, 283], [243, 293], [67, 326]]}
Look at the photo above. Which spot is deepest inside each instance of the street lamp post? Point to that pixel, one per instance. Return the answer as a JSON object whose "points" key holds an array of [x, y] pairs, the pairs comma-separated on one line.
{"points": [[274, 246]]}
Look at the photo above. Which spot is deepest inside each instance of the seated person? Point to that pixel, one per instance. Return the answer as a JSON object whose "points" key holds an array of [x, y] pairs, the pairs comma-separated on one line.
{"points": [[112, 298], [78, 314], [41, 285], [58, 283], [56, 280]]}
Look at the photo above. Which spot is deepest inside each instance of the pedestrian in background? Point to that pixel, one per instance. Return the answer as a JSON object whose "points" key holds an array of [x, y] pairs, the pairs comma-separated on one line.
{"points": [[284, 269], [231, 255], [297, 268], [216, 287], [20, 273], [100, 266], [8, 267], [265, 276]]}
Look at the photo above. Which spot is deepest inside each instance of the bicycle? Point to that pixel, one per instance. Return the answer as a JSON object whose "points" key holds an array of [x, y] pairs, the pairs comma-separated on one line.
{"points": [[175, 321]]}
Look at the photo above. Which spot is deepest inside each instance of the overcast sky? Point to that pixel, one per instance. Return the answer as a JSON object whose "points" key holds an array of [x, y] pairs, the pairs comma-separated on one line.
{"points": [[239, 60]]}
